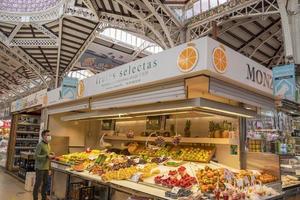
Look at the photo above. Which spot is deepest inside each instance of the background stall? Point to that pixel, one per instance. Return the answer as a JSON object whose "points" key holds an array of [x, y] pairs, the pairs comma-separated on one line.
{"points": [[5, 123], [25, 130], [204, 98]]}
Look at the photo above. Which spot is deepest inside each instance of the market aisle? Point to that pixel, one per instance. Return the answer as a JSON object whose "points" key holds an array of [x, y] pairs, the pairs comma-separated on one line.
{"points": [[11, 188]]}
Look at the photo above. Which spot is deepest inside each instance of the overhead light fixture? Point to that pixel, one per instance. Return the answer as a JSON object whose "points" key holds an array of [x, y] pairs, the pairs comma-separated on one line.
{"points": [[227, 112], [164, 110]]}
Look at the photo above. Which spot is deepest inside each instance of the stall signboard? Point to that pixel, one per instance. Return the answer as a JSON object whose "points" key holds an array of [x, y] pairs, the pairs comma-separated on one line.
{"points": [[53, 97], [229, 65], [30, 101], [67, 92], [5, 113], [202, 56], [284, 82], [69, 88]]}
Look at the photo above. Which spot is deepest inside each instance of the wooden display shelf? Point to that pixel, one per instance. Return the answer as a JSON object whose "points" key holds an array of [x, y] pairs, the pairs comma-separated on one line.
{"points": [[28, 132], [194, 140], [27, 139]]}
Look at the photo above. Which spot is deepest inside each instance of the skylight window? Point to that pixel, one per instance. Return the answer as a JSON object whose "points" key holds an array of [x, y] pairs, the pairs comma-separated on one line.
{"points": [[131, 39], [80, 74], [202, 6]]}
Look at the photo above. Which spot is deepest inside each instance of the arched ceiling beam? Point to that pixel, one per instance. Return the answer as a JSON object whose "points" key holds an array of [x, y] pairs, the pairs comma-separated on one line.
{"points": [[141, 16], [19, 55], [154, 6], [201, 24]]}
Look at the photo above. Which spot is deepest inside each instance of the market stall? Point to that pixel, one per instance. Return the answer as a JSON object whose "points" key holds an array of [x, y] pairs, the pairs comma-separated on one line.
{"points": [[24, 134], [166, 128], [5, 122]]}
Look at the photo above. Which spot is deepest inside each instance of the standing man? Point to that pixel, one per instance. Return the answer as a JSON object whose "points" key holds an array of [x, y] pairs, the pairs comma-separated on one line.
{"points": [[42, 165]]}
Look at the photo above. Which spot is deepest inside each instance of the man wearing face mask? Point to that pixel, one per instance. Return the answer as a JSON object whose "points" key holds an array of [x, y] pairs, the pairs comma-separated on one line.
{"points": [[42, 165]]}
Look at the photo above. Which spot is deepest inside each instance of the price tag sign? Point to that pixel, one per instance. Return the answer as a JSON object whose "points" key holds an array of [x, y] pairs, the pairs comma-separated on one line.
{"points": [[252, 179], [136, 177], [54, 165], [246, 180], [175, 190], [137, 160], [228, 175], [297, 172], [240, 182]]}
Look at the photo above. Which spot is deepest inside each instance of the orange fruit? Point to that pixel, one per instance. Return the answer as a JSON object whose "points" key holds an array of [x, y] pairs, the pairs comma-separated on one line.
{"points": [[220, 59], [187, 59], [80, 88]]}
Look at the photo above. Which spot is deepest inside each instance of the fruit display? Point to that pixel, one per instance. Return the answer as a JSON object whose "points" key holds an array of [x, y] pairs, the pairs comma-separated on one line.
{"points": [[254, 145], [127, 173], [187, 153], [288, 180], [159, 160], [97, 170], [176, 178], [132, 147], [81, 166], [260, 177], [153, 167], [78, 157], [210, 179], [196, 154], [121, 174], [173, 163], [255, 192], [265, 177]]}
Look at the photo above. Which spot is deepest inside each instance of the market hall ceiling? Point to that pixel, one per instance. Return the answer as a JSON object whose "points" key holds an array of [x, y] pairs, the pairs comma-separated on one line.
{"points": [[34, 44]]}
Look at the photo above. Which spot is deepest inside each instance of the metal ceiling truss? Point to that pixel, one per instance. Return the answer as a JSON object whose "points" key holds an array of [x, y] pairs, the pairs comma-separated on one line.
{"points": [[82, 49], [278, 32], [258, 36], [43, 29], [202, 24], [166, 32], [60, 25], [20, 56], [110, 20], [88, 13], [34, 42], [90, 6]]}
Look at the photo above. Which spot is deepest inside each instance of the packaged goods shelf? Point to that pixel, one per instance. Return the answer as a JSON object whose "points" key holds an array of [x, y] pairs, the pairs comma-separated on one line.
{"points": [[27, 139], [24, 147], [28, 124], [28, 132]]}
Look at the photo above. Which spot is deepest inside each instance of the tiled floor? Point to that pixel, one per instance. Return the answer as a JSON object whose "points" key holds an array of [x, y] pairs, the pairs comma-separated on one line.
{"points": [[12, 189]]}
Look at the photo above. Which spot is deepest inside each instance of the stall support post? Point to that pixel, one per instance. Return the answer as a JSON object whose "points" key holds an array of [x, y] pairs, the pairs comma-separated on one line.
{"points": [[242, 142], [68, 183]]}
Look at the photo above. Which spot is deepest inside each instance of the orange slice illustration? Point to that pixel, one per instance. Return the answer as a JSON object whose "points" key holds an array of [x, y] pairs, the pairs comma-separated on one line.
{"points": [[81, 88], [220, 59], [187, 59]]}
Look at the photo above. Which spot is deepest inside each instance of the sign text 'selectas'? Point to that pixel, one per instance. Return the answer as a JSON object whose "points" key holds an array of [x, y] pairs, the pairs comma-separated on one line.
{"points": [[259, 77]]}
